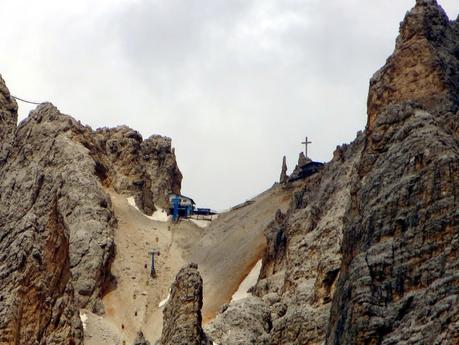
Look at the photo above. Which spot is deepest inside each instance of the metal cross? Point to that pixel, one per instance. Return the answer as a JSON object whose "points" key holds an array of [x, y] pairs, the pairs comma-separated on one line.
{"points": [[153, 270], [305, 143]]}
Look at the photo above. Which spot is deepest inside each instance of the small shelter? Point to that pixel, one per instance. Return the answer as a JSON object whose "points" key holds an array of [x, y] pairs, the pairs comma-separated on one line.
{"points": [[181, 206]]}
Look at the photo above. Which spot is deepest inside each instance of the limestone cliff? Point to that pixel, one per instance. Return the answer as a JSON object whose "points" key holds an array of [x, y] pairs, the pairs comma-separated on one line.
{"points": [[56, 219], [424, 66], [399, 275]]}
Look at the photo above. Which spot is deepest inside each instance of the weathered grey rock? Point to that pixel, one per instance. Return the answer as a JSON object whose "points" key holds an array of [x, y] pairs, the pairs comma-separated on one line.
{"points": [[424, 66], [399, 280], [283, 176], [145, 168], [49, 155], [298, 171], [247, 321], [182, 320], [8, 120], [37, 303], [303, 160]]}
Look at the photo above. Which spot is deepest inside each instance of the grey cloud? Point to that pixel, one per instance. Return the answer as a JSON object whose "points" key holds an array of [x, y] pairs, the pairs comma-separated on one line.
{"points": [[236, 84]]}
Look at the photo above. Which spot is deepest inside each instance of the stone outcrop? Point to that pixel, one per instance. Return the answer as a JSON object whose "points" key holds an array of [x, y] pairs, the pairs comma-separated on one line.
{"points": [[182, 320], [8, 120], [297, 172], [246, 321], [423, 67], [56, 219], [37, 302], [146, 168], [283, 176]]}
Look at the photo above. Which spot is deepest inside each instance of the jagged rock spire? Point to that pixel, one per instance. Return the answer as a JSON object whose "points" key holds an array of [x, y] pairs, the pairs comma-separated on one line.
{"points": [[182, 320], [427, 18], [303, 160], [424, 66], [283, 176]]}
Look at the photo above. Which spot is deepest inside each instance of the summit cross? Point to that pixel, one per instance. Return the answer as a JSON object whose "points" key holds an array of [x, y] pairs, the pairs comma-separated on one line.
{"points": [[306, 143]]}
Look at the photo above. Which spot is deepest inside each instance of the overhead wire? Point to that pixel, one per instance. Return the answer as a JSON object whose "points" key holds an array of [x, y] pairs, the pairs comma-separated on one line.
{"points": [[23, 100]]}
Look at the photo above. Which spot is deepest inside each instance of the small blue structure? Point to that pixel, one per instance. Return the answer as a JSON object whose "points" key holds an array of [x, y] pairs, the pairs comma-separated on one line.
{"points": [[181, 206]]}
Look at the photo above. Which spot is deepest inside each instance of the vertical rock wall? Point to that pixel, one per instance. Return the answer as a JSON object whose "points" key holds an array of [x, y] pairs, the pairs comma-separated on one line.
{"points": [[399, 279]]}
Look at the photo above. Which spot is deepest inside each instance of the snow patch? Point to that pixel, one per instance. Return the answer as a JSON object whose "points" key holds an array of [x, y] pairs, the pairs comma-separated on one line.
{"points": [[201, 223], [160, 215], [83, 318], [247, 283], [164, 301]]}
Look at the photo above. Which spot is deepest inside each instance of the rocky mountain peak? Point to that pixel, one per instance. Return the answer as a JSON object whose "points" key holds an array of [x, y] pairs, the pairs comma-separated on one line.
{"points": [[424, 67], [427, 18], [283, 176], [182, 314]]}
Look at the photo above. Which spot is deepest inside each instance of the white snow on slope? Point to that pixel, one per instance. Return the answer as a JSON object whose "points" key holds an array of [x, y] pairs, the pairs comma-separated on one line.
{"points": [[201, 223], [83, 318], [247, 283], [164, 301], [160, 215]]}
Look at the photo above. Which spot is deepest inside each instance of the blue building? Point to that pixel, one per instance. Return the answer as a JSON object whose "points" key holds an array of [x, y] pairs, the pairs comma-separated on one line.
{"points": [[181, 206]]}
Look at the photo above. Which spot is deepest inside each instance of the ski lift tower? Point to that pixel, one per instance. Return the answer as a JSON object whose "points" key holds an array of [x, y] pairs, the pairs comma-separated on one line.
{"points": [[153, 269]]}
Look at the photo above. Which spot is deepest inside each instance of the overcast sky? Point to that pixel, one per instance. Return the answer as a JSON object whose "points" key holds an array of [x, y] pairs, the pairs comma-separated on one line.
{"points": [[236, 84]]}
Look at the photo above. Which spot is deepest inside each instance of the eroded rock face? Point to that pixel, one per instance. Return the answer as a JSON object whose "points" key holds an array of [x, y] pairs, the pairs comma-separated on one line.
{"points": [[37, 302], [247, 321], [182, 314], [398, 281], [46, 157], [8, 120], [146, 168], [300, 269]]}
